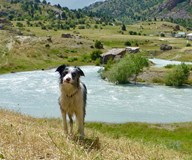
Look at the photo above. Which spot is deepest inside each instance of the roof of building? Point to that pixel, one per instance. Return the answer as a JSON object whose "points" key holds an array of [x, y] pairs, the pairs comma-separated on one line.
{"points": [[132, 48], [114, 51], [181, 33]]}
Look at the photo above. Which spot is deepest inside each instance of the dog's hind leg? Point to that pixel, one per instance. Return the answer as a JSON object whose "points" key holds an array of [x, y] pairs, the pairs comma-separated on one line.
{"points": [[71, 124]]}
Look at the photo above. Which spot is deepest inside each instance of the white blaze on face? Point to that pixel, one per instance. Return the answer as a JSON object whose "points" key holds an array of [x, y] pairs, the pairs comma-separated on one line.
{"points": [[68, 77]]}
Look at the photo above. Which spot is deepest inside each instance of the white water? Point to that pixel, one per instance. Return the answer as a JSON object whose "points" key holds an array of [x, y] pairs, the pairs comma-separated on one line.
{"points": [[36, 93], [162, 62]]}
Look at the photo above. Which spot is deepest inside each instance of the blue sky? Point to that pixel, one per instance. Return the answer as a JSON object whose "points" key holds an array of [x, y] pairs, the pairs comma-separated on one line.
{"points": [[73, 4]]}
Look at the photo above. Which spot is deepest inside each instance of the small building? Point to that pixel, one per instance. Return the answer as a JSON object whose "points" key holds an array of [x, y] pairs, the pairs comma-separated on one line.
{"points": [[180, 35], [132, 49], [112, 54], [189, 36]]}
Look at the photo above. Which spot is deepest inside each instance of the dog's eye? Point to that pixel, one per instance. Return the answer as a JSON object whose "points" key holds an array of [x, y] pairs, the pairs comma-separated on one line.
{"points": [[64, 73], [73, 74]]}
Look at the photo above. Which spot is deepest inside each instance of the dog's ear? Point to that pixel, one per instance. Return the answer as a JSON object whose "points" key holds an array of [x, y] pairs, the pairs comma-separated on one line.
{"points": [[60, 69], [81, 73]]}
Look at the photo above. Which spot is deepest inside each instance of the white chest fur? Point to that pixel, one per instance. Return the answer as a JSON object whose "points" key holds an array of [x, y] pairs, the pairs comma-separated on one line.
{"points": [[71, 99]]}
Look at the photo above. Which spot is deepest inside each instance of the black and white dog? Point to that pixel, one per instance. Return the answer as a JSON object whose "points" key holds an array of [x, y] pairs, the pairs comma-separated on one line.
{"points": [[73, 97]]}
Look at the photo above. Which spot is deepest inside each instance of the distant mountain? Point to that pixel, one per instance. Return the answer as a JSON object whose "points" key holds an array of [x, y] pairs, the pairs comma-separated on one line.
{"points": [[133, 10]]}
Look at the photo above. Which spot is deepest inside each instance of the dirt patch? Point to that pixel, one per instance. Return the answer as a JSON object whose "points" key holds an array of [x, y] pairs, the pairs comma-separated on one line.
{"points": [[152, 75]]}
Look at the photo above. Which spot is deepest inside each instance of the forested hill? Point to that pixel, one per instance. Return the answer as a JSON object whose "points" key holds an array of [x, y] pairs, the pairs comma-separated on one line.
{"points": [[133, 10], [126, 11], [41, 11]]}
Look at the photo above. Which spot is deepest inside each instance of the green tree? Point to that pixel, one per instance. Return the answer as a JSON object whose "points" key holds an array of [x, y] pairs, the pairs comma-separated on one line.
{"points": [[137, 65], [178, 76], [63, 15], [123, 28], [44, 2]]}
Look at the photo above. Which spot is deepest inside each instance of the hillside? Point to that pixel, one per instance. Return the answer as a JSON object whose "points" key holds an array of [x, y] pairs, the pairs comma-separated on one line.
{"points": [[36, 35], [24, 137], [131, 10], [42, 14]]}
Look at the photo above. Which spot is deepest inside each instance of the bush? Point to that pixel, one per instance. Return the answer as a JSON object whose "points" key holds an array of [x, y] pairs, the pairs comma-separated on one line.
{"points": [[19, 24], [81, 27], [178, 76], [162, 34], [85, 58], [129, 67], [132, 33], [96, 55], [165, 47], [98, 45], [123, 28], [127, 43]]}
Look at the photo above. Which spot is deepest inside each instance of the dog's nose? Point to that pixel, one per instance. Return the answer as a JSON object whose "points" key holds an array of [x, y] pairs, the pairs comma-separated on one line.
{"points": [[68, 79]]}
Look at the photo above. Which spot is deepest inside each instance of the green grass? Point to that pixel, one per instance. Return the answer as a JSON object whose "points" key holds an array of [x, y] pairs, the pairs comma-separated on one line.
{"points": [[25, 137], [174, 136]]}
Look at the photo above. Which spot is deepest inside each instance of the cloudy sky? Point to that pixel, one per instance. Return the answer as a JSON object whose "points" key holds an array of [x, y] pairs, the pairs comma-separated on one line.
{"points": [[73, 4]]}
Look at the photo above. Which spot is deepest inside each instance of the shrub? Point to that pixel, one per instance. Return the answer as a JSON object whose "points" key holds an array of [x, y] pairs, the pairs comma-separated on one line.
{"points": [[123, 28], [188, 45], [96, 55], [165, 47], [178, 76], [98, 45], [132, 33], [81, 27], [47, 46], [162, 34], [19, 24], [43, 27], [96, 26], [127, 43], [85, 58], [129, 66]]}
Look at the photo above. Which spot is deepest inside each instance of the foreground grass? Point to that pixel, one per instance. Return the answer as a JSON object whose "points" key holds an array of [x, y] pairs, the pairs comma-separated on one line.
{"points": [[24, 137], [174, 136]]}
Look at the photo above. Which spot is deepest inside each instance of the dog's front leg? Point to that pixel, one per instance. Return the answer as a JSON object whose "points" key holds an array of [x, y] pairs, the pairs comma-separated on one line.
{"points": [[64, 121], [80, 123]]}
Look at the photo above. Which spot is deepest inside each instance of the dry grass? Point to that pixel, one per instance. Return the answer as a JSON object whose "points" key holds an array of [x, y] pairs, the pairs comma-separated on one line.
{"points": [[24, 137]]}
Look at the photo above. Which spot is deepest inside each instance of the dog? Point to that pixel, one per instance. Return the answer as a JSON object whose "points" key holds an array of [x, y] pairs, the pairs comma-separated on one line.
{"points": [[73, 97]]}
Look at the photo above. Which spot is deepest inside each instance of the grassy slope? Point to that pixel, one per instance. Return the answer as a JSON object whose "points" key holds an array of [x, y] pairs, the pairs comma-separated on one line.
{"points": [[24, 137], [29, 54], [17, 55]]}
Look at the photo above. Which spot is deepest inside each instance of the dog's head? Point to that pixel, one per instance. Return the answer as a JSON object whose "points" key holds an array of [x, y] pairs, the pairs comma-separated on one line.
{"points": [[69, 75]]}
